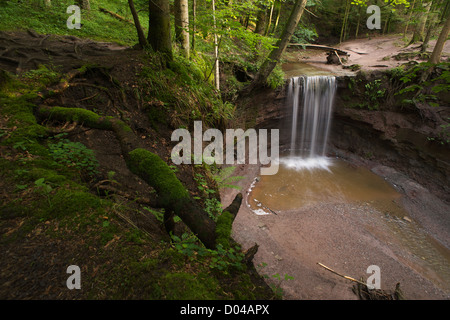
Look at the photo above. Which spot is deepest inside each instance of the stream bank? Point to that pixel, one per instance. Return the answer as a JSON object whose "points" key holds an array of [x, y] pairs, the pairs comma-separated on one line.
{"points": [[408, 238], [347, 237]]}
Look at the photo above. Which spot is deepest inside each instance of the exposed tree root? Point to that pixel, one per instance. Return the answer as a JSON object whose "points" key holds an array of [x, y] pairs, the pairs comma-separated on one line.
{"points": [[113, 190], [249, 254], [364, 293], [172, 195]]}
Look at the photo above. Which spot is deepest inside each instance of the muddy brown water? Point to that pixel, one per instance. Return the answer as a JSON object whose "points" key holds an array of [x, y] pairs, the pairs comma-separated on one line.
{"points": [[299, 183], [302, 183]]}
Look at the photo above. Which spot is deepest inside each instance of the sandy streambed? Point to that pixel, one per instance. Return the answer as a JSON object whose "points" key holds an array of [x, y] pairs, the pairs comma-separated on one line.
{"points": [[407, 238]]}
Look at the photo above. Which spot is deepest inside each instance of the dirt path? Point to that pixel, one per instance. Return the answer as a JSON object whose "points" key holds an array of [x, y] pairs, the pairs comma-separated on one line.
{"points": [[377, 53]]}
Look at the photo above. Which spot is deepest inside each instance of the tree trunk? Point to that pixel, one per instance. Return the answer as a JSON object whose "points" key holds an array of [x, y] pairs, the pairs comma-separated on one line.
{"points": [[260, 21], [140, 32], [182, 25], [194, 17], [409, 18], [159, 35], [344, 23], [359, 22], [437, 52], [424, 46], [84, 4], [277, 19], [445, 11], [275, 55], [269, 23], [420, 27], [386, 24], [216, 50], [425, 19]]}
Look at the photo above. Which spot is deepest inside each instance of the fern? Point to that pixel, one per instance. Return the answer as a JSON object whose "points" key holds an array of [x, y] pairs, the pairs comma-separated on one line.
{"points": [[223, 177]]}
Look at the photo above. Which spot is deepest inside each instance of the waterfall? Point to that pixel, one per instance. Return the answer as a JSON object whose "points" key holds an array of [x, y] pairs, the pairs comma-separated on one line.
{"points": [[311, 114]]}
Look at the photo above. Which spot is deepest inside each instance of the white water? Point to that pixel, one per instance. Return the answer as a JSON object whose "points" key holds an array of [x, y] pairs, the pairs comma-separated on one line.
{"points": [[311, 99]]}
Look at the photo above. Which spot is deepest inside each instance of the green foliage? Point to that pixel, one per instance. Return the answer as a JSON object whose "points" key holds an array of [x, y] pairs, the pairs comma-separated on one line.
{"points": [[203, 186], [392, 3], [304, 34], [373, 94], [46, 188], [182, 93], [439, 82], [159, 215], [443, 136], [212, 205], [22, 15], [74, 155], [223, 259], [51, 205], [69, 202], [227, 259], [276, 287], [213, 208], [42, 75], [276, 77], [188, 286], [223, 177]]}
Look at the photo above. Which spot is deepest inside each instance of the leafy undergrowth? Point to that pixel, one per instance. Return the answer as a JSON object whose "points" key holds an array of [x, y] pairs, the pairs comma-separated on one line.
{"points": [[53, 215], [17, 15]]}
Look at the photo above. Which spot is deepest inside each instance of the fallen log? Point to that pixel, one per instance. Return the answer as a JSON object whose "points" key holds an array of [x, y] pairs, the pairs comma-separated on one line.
{"points": [[115, 15], [320, 47]]}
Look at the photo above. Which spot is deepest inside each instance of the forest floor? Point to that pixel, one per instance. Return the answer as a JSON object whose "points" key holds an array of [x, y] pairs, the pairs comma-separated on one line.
{"points": [[376, 53], [120, 244]]}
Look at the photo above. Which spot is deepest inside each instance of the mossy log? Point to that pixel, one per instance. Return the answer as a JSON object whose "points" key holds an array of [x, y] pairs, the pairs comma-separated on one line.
{"points": [[225, 222], [172, 195]]}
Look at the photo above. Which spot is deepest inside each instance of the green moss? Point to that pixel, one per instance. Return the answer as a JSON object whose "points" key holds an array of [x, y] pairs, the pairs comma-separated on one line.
{"points": [[223, 229], [25, 132], [157, 173], [49, 175], [66, 202], [107, 233], [186, 286], [123, 126], [79, 115], [173, 256]]}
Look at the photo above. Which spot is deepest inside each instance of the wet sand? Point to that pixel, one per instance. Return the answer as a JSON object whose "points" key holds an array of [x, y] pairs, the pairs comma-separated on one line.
{"points": [[347, 237]]}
